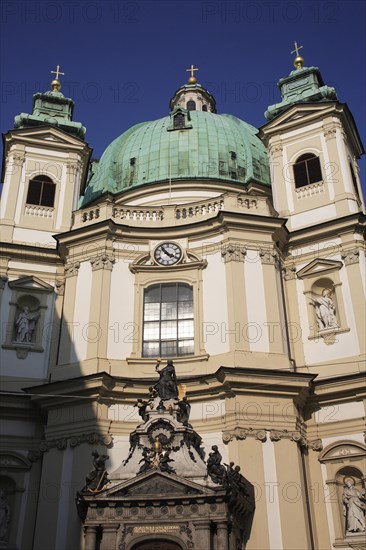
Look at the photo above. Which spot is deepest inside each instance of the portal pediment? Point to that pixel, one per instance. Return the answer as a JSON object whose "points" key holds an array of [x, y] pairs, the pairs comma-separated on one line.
{"points": [[319, 267], [30, 283]]}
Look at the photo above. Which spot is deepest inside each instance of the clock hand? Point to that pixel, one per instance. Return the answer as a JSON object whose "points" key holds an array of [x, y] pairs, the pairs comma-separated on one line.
{"points": [[167, 253]]}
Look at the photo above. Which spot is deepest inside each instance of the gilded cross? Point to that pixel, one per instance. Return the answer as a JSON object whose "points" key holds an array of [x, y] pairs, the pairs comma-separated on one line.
{"points": [[297, 48], [57, 72], [191, 70]]}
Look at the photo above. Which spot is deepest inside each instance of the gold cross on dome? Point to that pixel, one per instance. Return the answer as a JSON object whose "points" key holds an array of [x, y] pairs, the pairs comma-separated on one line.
{"points": [[191, 70], [57, 72], [297, 48]]}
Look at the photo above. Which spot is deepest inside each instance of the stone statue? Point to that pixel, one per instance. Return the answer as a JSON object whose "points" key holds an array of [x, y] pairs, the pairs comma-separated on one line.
{"points": [[164, 462], [4, 516], [354, 507], [215, 469], [97, 478], [146, 460], [184, 411], [325, 310], [167, 387], [25, 324], [142, 408]]}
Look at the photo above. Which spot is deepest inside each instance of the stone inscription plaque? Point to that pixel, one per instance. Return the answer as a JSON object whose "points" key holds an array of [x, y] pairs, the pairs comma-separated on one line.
{"points": [[144, 529]]}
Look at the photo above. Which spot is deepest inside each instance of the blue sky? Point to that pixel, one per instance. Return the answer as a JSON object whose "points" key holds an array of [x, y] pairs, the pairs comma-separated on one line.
{"points": [[123, 60]]}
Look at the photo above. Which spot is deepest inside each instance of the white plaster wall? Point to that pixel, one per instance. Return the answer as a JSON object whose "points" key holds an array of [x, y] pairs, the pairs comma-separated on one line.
{"points": [[215, 314], [119, 451], [34, 237], [340, 411], [61, 197], [32, 267], [311, 217], [207, 410], [83, 297], [123, 328], [256, 331]]}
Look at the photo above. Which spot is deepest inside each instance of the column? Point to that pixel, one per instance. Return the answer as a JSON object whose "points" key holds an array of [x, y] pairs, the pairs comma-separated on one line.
{"points": [[109, 538], [202, 535], [90, 537], [222, 536], [99, 308]]}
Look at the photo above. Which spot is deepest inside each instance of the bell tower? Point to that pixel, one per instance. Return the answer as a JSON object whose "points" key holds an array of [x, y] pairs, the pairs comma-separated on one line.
{"points": [[314, 146], [46, 161]]}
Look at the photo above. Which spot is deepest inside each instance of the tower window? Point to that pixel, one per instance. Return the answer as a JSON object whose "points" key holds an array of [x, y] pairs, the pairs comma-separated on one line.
{"points": [[168, 320], [179, 120], [41, 191], [204, 107], [307, 170], [132, 161], [232, 155], [191, 105]]}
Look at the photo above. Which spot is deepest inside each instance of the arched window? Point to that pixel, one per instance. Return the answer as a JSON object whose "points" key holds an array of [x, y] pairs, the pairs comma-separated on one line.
{"points": [[179, 120], [307, 170], [168, 320], [191, 105], [41, 191], [204, 107]]}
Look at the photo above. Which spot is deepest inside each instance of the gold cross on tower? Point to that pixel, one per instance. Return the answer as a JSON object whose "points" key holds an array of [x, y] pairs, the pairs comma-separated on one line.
{"points": [[57, 72], [297, 48], [192, 79], [298, 61]]}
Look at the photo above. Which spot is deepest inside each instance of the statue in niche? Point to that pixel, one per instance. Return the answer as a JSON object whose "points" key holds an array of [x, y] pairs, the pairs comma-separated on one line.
{"points": [[25, 324], [4, 516], [166, 387], [354, 507], [325, 310]]}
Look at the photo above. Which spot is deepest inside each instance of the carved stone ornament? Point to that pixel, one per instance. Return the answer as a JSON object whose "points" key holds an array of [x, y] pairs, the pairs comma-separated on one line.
{"points": [[289, 272], [72, 442], [243, 433], [268, 256], [105, 261], [330, 131], [72, 269], [297, 437], [60, 287], [350, 256], [276, 150], [316, 445], [233, 253]]}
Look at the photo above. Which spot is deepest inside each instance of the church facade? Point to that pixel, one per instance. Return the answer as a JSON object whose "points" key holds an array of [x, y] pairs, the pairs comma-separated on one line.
{"points": [[238, 254]]}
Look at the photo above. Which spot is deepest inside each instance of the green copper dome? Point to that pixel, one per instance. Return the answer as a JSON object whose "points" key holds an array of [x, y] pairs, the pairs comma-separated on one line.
{"points": [[205, 145]]}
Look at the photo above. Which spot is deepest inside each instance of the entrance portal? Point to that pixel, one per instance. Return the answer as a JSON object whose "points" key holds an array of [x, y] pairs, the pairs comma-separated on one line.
{"points": [[157, 545]]}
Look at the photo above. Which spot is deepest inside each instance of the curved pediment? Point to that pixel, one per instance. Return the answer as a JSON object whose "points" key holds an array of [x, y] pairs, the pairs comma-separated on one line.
{"points": [[341, 450]]}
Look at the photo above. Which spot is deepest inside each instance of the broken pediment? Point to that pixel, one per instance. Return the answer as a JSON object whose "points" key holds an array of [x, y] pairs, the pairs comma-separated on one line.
{"points": [[43, 133], [319, 267], [30, 283], [153, 483], [292, 115]]}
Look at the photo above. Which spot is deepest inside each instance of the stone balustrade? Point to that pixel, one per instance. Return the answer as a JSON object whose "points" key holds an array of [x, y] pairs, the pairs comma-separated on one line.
{"points": [[38, 211], [172, 214]]}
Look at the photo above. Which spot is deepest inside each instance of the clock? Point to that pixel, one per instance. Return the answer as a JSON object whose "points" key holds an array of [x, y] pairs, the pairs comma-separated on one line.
{"points": [[168, 254]]}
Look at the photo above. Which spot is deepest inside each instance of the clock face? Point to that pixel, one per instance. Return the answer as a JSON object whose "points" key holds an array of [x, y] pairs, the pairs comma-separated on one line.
{"points": [[168, 254]]}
